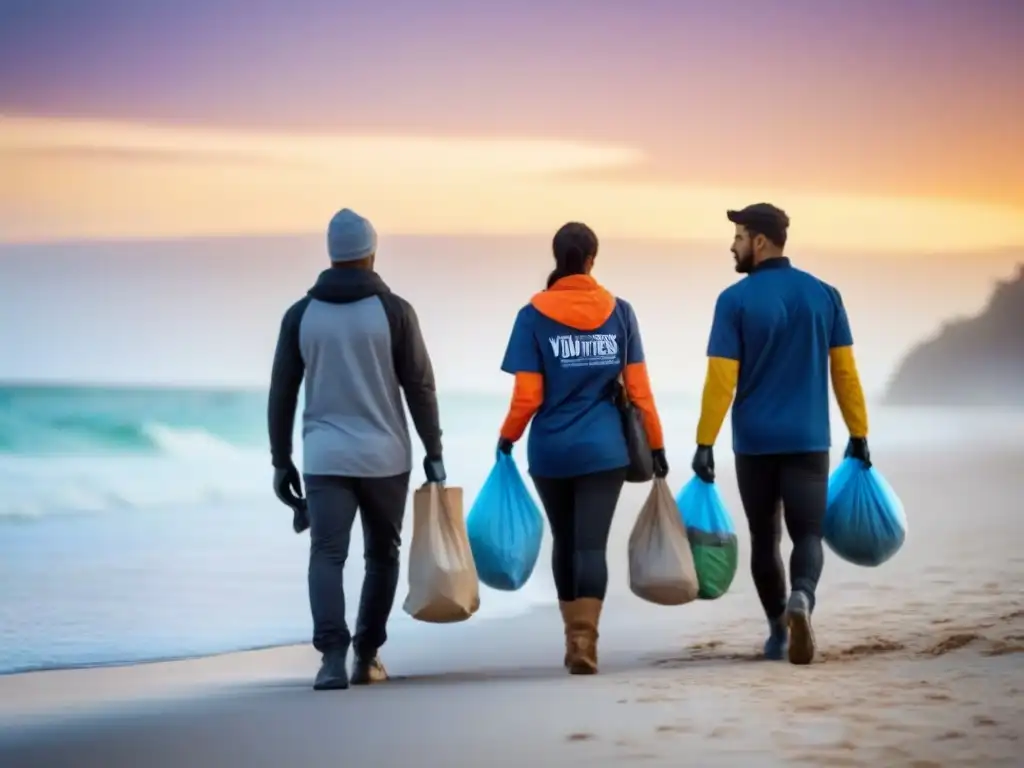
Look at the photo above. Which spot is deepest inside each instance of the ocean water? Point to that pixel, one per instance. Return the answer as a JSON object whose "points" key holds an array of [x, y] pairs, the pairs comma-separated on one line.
{"points": [[139, 524]]}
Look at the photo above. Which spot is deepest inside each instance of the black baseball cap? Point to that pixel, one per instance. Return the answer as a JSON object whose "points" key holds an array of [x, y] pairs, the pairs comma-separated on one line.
{"points": [[763, 219]]}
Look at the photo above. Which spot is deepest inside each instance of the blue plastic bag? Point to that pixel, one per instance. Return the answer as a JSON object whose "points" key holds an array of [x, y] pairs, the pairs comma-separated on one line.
{"points": [[712, 537], [505, 528], [864, 523]]}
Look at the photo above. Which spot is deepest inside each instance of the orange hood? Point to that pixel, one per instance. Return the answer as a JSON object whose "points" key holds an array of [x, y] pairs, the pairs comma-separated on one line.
{"points": [[577, 301]]}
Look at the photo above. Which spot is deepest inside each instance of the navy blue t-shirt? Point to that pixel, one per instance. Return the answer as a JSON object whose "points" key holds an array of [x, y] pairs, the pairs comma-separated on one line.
{"points": [[780, 322], [578, 428]]}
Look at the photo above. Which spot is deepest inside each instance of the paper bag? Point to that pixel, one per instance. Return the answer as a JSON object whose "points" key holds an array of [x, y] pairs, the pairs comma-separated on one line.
{"points": [[661, 568], [443, 583]]}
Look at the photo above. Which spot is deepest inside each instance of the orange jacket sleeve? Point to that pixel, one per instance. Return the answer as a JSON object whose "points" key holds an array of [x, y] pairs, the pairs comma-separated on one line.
{"points": [[638, 387], [527, 396]]}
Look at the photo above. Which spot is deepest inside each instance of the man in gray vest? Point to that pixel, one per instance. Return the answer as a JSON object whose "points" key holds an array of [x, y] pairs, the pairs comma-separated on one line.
{"points": [[359, 347]]}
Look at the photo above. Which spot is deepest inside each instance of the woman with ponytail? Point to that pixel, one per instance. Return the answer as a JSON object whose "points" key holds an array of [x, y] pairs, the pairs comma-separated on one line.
{"points": [[568, 347]]}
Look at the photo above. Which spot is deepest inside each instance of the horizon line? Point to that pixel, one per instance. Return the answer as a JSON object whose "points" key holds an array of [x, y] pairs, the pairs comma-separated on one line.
{"points": [[215, 388], [521, 236]]}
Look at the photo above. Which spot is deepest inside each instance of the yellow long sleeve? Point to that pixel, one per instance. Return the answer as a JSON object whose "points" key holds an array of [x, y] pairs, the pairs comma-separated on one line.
{"points": [[719, 388], [849, 393]]}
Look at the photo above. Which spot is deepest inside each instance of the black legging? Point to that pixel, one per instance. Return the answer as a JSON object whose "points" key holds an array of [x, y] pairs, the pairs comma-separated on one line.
{"points": [[580, 511], [799, 482]]}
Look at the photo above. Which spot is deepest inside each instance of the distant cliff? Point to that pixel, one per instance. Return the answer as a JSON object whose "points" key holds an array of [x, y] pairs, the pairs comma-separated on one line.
{"points": [[975, 361]]}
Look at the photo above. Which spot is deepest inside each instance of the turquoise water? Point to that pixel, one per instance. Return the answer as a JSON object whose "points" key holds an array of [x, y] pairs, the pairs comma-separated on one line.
{"points": [[138, 524], [61, 420], [70, 450]]}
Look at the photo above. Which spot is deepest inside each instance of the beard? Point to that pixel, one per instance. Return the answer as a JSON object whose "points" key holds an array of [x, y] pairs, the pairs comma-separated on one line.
{"points": [[744, 261]]}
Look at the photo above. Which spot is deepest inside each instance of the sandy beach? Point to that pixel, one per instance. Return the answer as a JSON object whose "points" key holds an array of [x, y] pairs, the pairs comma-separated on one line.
{"points": [[920, 665]]}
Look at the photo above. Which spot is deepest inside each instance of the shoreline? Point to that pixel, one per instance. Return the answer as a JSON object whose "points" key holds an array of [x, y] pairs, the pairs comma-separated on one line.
{"points": [[36, 670]]}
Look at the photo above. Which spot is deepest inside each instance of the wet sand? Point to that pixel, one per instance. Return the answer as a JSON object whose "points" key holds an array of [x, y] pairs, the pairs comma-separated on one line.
{"points": [[920, 664]]}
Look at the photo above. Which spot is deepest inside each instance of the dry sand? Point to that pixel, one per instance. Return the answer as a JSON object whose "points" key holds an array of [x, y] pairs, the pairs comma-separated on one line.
{"points": [[920, 665]]}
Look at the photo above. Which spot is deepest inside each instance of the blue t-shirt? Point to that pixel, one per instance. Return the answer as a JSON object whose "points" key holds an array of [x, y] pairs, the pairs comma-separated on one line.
{"points": [[578, 428], [780, 322]]}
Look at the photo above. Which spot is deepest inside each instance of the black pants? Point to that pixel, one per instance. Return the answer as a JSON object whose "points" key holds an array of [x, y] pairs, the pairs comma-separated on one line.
{"points": [[333, 502], [580, 511], [799, 482]]}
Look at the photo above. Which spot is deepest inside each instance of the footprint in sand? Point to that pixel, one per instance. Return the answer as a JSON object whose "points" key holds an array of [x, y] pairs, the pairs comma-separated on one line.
{"points": [[805, 707], [873, 647], [950, 736], [1001, 648], [981, 721], [580, 737], [952, 643], [703, 653], [666, 729], [708, 646]]}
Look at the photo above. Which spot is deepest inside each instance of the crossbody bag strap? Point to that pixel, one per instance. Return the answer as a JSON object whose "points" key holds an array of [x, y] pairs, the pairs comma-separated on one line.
{"points": [[625, 343], [621, 379]]}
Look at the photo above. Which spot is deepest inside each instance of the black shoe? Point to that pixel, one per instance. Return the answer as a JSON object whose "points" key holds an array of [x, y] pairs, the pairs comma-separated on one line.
{"points": [[367, 670], [801, 634], [332, 675]]}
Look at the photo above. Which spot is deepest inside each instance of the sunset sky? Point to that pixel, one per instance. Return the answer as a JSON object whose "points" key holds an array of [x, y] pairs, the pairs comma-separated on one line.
{"points": [[886, 124]]}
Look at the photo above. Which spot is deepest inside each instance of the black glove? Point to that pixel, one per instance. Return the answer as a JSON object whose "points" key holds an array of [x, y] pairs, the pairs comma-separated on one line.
{"points": [[704, 463], [300, 517], [434, 470], [288, 486], [857, 448], [660, 462], [505, 446]]}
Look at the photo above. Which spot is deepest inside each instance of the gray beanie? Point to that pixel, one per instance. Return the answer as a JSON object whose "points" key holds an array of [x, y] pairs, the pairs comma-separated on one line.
{"points": [[350, 237]]}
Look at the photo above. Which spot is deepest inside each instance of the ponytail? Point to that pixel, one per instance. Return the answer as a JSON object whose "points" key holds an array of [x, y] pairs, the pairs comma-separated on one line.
{"points": [[574, 244], [573, 261]]}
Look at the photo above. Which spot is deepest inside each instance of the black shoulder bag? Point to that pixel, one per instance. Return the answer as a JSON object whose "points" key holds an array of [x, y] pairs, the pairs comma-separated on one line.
{"points": [[641, 463]]}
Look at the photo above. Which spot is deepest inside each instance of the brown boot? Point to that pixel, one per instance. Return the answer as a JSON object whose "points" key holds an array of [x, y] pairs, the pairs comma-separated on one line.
{"points": [[581, 619], [566, 613]]}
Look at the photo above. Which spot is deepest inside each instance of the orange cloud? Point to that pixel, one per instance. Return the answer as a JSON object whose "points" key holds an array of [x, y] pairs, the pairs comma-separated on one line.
{"points": [[89, 179]]}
